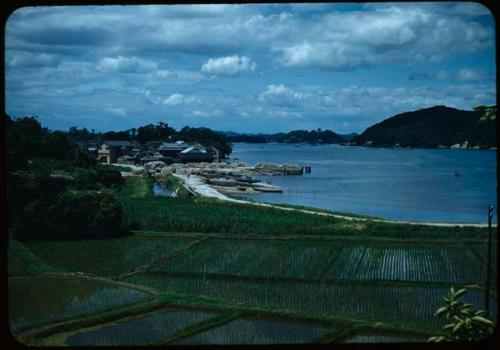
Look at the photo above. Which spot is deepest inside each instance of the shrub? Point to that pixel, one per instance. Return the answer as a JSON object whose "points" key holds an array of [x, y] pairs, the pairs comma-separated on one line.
{"points": [[73, 215]]}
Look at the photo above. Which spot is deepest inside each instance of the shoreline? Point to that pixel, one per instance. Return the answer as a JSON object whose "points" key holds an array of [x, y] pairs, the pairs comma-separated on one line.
{"points": [[195, 185]]}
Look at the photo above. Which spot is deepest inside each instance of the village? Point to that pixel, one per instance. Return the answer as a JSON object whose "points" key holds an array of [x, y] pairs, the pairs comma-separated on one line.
{"points": [[202, 165]]}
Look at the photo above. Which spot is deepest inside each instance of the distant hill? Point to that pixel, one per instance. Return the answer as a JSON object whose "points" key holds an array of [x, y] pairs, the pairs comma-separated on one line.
{"points": [[438, 126], [296, 136], [349, 137]]}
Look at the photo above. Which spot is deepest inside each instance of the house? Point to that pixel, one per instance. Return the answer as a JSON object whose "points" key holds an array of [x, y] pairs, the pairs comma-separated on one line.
{"points": [[172, 149], [196, 153], [110, 151]]}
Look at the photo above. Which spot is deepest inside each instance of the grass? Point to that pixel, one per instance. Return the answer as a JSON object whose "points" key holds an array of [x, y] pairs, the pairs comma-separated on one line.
{"points": [[35, 301], [121, 168], [22, 261], [110, 257], [254, 331], [210, 215], [320, 210]]}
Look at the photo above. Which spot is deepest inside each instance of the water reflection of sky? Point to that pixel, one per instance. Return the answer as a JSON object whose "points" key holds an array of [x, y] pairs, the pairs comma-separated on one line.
{"points": [[415, 184]]}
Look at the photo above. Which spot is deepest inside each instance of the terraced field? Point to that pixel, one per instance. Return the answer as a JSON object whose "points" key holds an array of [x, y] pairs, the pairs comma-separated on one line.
{"points": [[361, 301], [35, 301], [334, 281], [110, 257]]}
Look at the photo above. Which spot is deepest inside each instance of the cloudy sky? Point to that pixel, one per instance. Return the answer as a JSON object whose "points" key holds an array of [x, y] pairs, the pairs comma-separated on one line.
{"points": [[246, 68]]}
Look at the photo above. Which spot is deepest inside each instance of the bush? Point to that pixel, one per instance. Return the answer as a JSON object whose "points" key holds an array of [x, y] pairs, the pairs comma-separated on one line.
{"points": [[73, 215]]}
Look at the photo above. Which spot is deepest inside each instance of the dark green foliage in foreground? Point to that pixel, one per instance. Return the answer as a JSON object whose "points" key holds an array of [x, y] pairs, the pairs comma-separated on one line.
{"points": [[55, 191], [466, 324], [21, 261], [430, 127], [72, 215]]}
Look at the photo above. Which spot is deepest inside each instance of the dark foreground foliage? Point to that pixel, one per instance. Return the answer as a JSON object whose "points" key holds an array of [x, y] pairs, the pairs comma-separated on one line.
{"points": [[54, 191]]}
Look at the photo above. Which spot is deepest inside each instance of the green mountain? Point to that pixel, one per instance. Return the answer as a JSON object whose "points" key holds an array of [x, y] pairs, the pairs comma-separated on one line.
{"points": [[296, 136], [438, 126]]}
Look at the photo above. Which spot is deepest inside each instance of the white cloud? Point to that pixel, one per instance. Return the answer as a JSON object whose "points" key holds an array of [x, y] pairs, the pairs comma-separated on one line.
{"points": [[116, 111], [177, 99], [469, 74], [166, 74], [29, 59], [229, 65], [125, 65]]}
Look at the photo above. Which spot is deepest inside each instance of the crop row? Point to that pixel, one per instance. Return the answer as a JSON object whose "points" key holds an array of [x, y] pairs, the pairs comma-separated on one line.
{"points": [[348, 300], [253, 258], [140, 331], [110, 257], [34, 301], [413, 264], [331, 260]]}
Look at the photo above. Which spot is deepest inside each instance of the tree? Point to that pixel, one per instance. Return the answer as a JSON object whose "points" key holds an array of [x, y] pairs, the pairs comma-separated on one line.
{"points": [[488, 112], [466, 323]]}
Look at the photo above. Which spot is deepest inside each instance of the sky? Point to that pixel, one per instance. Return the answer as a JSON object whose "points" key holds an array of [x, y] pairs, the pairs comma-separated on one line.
{"points": [[246, 68]]}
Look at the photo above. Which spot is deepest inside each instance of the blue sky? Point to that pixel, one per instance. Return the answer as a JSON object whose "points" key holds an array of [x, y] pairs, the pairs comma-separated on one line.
{"points": [[246, 68]]}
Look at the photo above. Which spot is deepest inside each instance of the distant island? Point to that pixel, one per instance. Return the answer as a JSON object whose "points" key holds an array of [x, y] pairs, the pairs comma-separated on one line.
{"points": [[296, 136], [434, 127]]}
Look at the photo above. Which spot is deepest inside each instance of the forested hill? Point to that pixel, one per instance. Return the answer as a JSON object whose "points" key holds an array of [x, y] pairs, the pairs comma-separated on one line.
{"points": [[296, 136], [438, 126]]}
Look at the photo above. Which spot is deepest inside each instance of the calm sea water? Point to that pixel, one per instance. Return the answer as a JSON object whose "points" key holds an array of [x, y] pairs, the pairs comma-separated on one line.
{"points": [[401, 184]]}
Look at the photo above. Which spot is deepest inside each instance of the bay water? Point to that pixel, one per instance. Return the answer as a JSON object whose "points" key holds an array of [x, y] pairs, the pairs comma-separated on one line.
{"points": [[438, 185]]}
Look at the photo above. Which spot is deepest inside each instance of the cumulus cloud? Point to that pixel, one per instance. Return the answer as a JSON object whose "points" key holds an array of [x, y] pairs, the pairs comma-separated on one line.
{"points": [[469, 74], [347, 40], [125, 65], [229, 65], [280, 95], [177, 99]]}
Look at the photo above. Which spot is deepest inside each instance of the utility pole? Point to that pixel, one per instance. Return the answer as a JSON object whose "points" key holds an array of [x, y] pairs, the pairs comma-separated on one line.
{"points": [[488, 266]]}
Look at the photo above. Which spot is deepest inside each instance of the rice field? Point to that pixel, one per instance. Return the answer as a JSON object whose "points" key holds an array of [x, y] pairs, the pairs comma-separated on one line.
{"points": [[35, 301], [250, 331], [253, 258], [110, 257], [362, 301], [455, 265], [374, 338], [141, 331]]}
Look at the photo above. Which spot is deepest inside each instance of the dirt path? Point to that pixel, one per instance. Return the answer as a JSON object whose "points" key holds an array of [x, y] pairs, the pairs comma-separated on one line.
{"points": [[196, 184]]}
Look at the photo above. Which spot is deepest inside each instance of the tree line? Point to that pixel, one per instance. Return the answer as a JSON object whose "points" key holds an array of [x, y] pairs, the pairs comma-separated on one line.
{"points": [[157, 132]]}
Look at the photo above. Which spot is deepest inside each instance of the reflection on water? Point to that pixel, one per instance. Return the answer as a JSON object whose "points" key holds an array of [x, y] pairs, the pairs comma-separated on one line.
{"points": [[159, 190], [400, 184]]}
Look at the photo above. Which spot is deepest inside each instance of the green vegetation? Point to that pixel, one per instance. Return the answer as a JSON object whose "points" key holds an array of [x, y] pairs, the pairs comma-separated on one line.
{"points": [[34, 301], [466, 323], [206, 271], [252, 258], [369, 301], [431, 127], [197, 214], [111, 257], [121, 168], [296, 136], [141, 331], [21, 261], [54, 191], [251, 331]]}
